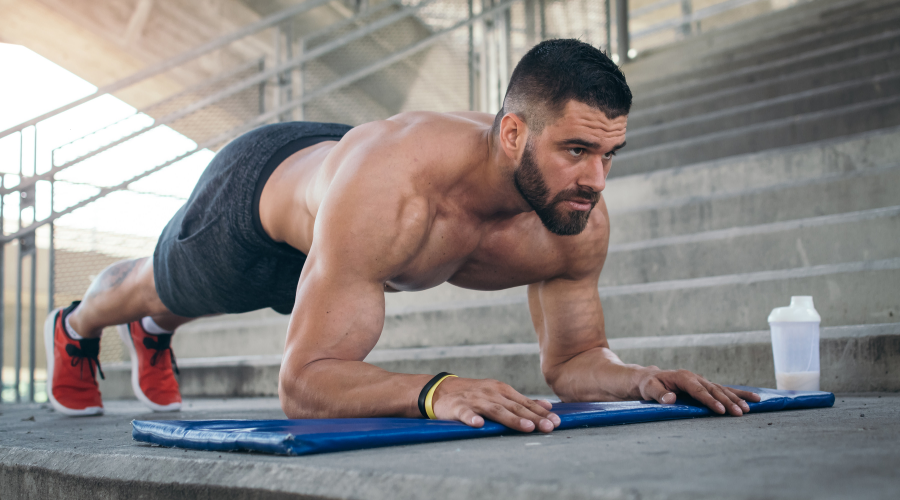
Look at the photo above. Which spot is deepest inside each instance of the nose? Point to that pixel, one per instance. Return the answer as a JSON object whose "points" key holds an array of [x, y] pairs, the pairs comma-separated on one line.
{"points": [[594, 176]]}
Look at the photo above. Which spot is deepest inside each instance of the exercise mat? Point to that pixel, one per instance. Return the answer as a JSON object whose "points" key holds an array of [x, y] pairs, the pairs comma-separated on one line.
{"points": [[305, 437]]}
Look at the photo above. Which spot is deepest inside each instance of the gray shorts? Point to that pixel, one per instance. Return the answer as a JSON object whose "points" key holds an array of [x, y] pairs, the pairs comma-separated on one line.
{"points": [[213, 257]]}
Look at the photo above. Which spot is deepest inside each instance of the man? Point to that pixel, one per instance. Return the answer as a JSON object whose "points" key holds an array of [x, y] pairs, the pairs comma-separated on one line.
{"points": [[319, 221]]}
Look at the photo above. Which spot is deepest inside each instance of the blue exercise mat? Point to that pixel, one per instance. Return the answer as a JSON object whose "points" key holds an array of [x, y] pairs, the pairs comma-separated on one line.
{"points": [[305, 437]]}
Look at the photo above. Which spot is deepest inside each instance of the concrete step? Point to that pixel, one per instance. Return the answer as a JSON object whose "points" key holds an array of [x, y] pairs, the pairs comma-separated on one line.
{"points": [[694, 52], [736, 174], [853, 359], [847, 52], [857, 292], [807, 38], [829, 194], [868, 66], [793, 130], [831, 239], [847, 293], [810, 101]]}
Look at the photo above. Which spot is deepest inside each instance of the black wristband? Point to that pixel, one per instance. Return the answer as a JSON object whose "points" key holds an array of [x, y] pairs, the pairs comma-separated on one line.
{"points": [[427, 388]]}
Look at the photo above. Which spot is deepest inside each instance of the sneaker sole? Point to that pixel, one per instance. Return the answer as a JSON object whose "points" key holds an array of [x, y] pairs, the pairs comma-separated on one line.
{"points": [[125, 335], [49, 346]]}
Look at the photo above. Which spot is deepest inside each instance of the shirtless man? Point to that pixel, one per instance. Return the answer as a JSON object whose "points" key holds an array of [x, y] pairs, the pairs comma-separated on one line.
{"points": [[319, 221]]}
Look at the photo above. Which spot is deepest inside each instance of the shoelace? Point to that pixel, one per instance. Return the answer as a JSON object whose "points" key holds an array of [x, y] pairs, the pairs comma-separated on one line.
{"points": [[88, 350], [161, 343]]}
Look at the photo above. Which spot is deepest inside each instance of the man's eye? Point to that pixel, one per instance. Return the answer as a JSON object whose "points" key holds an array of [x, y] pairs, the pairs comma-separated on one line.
{"points": [[576, 152], [609, 155]]}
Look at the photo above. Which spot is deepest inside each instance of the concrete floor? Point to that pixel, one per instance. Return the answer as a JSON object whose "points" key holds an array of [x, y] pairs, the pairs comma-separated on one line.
{"points": [[851, 450]]}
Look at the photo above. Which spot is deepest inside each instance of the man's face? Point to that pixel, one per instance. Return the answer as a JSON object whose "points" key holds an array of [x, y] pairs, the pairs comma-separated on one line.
{"points": [[564, 169]]}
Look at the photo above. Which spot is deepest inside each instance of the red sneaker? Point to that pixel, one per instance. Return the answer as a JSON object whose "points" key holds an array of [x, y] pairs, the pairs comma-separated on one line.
{"points": [[152, 377], [71, 368]]}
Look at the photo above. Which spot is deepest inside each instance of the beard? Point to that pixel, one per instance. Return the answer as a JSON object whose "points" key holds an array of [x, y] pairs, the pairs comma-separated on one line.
{"points": [[533, 188]]}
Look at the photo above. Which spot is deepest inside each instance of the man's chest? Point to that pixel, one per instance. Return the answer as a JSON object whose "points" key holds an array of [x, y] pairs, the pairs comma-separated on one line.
{"points": [[484, 257]]}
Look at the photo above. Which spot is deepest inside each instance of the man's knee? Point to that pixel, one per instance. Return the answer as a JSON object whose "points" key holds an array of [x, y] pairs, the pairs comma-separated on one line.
{"points": [[146, 286]]}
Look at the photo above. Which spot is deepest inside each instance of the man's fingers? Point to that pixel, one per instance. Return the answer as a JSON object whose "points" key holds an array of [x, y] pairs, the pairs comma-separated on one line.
{"points": [[538, 421], [502, 415], [534, 407], [745, 408], [699, 392], [718, 393], [746, 395], [470, 418], [547, 405], [656, 391]]}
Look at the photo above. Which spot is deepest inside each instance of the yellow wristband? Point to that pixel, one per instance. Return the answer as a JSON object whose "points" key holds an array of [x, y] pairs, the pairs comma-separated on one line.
{"points": [[430, 397]]}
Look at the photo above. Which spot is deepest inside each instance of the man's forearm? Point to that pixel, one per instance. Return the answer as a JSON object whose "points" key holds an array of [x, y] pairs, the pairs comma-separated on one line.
{"points": [[595, 375], [332, 388]]}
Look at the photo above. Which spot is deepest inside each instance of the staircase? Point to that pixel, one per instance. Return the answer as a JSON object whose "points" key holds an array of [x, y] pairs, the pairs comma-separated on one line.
{"points": [[762, 162]]}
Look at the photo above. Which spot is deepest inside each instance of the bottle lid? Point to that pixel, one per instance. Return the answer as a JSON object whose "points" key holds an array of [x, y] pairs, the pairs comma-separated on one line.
{"points": [[800, 310]]}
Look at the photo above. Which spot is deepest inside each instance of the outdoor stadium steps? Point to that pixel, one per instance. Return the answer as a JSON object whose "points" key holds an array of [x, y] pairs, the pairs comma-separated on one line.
{"points": [[869, 66], [782, 132], [800, 26], [759, 170], [755, 173], [822, 98], [828, 77], [858, 358], [828, 195], [789, 55]]}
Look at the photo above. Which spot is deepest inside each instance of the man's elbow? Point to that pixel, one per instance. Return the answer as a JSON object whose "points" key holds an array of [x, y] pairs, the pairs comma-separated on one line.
{"points": [[556, 379], [295, 393]]}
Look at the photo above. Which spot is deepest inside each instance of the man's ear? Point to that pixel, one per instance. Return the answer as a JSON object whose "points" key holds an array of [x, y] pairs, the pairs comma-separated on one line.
{"points": [[513, 135]]}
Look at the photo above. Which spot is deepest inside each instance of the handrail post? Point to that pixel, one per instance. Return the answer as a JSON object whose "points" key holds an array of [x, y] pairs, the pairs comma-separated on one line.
{"points": [[687, 8], [608, 21], [471, 57], [622, 30], [2, 290]]}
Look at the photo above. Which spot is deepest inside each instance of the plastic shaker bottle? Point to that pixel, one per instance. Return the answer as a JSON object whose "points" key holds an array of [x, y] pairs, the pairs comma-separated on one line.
{"points": [[795, 345]]}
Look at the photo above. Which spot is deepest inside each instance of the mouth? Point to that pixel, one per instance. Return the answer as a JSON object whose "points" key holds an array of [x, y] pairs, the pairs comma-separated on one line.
{"points": [[580, 204]]}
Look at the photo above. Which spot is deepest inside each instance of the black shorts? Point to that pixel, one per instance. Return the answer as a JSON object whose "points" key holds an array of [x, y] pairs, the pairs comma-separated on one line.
{"points": [[214, 257]]}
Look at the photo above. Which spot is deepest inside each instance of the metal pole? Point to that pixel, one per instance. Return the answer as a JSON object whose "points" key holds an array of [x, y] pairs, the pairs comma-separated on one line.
{"points": [[51, 266], [18, 377], [504, 53], [686, 9], [18, 365], [608, 22], [543, 5], [285, 83], [2, 289], [32, 332], [32, 324], [262, 87], [530, 31], [277, 92], [622, 30], [471, 58], [301, 80]]}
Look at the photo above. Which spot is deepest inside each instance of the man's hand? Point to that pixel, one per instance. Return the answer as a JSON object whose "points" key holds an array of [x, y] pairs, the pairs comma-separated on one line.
{"points": [[661, 386], [471, 401]]}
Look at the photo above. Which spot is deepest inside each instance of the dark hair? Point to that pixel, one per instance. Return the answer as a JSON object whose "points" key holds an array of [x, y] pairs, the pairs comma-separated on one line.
{"points": [[554, 72]]}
